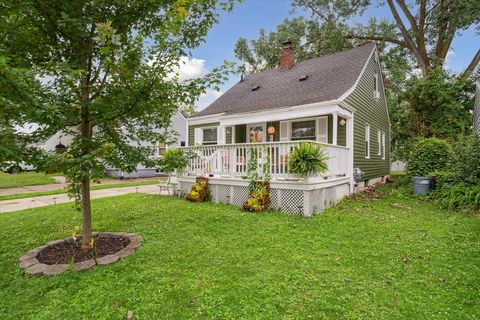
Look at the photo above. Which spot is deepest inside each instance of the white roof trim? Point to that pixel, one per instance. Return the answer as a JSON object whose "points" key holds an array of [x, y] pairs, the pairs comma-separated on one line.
{"points": [[349, 91], [247, 116]]}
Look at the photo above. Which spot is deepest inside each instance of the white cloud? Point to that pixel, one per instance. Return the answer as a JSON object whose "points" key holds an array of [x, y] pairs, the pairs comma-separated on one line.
{"points": [[207, 98], [190, 68], [448, 58]]}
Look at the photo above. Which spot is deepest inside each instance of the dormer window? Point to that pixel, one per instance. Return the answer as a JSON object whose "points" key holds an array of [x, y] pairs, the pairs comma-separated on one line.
{"points": [[376, 92], [255, 88], [303, 78]]}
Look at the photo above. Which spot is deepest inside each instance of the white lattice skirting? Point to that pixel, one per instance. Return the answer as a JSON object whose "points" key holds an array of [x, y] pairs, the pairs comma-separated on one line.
{"points": [[291, 198]]}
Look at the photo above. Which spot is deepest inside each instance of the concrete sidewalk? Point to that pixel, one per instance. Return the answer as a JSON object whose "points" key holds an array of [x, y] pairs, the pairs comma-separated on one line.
{"points": [[35, 202], [58, 186]]}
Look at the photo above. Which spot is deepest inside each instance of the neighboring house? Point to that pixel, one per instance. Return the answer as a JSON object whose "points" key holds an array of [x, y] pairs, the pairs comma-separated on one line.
{"points": [[336, 100], [476, 109], [179, 124]]}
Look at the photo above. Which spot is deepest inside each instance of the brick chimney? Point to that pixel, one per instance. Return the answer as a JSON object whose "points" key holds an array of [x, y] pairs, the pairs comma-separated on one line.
{"points": [[287, 56]]}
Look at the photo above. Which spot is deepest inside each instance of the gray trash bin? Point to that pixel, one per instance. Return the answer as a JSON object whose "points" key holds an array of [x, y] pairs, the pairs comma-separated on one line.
{"points": [[422, 185]]}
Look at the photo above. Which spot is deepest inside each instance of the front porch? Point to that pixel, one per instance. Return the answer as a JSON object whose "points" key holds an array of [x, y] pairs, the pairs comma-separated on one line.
{"points": [[225, 146], [226, 166]]}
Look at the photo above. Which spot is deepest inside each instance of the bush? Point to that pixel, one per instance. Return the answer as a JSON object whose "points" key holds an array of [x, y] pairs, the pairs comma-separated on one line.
{"points": [[467, 166], [175, 159], [429, 155], [458, 185], [307, 159], [459, 196]]}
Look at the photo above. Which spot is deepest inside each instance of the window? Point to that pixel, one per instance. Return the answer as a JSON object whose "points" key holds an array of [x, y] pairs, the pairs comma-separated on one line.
{"points": [[303, 130], [161, 148], [379, 142], [210, 136], [376, 93], [182, 144], [367, 141], [383, 145]]}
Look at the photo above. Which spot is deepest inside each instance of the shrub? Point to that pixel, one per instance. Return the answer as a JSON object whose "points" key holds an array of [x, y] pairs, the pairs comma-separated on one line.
{"points": [[459, 196], [307, 159], [175, 159], [467, 166], [429, 155]]}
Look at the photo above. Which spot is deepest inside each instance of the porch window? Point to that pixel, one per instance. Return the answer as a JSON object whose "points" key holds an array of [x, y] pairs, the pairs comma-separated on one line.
{"points": [[367, 141], [210, 136], [303, 130]]}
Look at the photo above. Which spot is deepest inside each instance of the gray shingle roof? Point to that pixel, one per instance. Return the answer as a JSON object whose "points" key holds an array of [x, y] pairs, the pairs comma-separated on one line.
{"points": [[328, 78]]}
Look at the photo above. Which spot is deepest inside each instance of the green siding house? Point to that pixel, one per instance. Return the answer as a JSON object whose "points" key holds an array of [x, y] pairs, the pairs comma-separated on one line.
{"points": [[337, 101], [476, 109]]}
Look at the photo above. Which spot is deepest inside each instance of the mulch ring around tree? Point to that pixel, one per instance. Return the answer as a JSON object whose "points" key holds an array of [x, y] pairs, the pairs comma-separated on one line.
{"points": [[58, 256]]}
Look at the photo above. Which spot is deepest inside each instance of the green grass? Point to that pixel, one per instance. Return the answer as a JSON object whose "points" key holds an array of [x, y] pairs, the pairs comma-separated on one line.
{"points": [[394, 258], [24, 179], [93, 187]]}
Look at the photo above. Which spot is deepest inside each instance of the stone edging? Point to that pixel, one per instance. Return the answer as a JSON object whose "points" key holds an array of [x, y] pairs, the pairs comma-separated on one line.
{"points": [[31, 265]]}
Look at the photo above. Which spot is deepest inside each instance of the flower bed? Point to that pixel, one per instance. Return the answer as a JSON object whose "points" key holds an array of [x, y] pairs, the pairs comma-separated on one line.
{"points": [[199, 192], [258, 198]]}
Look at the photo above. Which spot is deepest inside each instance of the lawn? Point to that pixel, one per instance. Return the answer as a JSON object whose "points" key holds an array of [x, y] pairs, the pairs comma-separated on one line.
{"points": [[92, 187], [394, 258], [24, 179]]}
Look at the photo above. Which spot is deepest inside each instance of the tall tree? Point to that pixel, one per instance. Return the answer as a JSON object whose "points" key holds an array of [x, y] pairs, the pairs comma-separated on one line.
{"points": [[309, 39], [425, 28], [105, 74]]}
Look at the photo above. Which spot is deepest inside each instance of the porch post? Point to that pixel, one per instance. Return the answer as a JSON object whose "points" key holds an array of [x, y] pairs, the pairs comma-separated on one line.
{"points": [[350, 142], [335, 128]]}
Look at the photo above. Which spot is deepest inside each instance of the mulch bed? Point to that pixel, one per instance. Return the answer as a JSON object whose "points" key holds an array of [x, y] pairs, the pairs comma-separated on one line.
{"points": [[67, 250], [59, 256]]}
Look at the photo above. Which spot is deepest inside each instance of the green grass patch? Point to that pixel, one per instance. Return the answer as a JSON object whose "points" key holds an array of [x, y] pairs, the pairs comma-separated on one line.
{"points": [[24, 179], [393, 258], [93, 187]]}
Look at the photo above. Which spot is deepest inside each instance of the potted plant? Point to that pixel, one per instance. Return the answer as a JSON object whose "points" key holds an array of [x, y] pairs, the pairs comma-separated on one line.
{"points": [[308, 159]]}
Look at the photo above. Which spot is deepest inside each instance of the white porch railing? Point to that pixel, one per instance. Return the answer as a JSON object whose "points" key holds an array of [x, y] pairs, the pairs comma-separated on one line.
{"points": [[230, 161]]}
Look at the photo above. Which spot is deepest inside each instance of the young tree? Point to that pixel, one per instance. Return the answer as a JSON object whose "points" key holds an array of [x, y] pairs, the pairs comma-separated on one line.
{"points": [[107, 74]]}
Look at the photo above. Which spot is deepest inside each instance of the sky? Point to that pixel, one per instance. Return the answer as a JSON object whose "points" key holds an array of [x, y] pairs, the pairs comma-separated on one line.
{"points": [[248, 17]]}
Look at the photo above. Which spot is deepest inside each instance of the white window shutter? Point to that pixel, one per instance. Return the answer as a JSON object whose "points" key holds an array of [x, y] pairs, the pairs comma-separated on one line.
{"points": [[322, 130], [284, 130], [198, 135]]}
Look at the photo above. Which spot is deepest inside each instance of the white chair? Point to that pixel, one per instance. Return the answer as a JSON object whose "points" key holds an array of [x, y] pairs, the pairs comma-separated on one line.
{"points": [[170, 183]]}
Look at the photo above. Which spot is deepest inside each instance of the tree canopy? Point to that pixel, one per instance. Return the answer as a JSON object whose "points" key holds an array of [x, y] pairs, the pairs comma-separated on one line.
{"points": [[413, 43], [102, 72]]}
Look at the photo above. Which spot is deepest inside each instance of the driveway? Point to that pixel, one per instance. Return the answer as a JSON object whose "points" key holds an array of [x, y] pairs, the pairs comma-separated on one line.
{"points": [[34, 202]]}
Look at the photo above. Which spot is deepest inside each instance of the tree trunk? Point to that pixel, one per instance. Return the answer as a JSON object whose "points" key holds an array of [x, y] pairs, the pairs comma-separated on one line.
{"points": [[86, 213], [85, 177]]}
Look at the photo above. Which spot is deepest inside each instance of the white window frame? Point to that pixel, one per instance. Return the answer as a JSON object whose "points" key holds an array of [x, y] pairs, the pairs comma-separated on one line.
{"points": [[379, 142], [376, 92], [285, 128], [383, 145], [367, 141], [157, 148], [203, 136], [303, 120]]}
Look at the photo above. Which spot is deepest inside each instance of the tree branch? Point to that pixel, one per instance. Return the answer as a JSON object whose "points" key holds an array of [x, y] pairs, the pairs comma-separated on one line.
{"points": [[378, 38], [472, 65], [411, 45], [408, 14]]}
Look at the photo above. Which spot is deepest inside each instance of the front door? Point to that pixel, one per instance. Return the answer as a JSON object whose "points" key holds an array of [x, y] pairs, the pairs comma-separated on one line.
{"points": [[256, 132]]}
